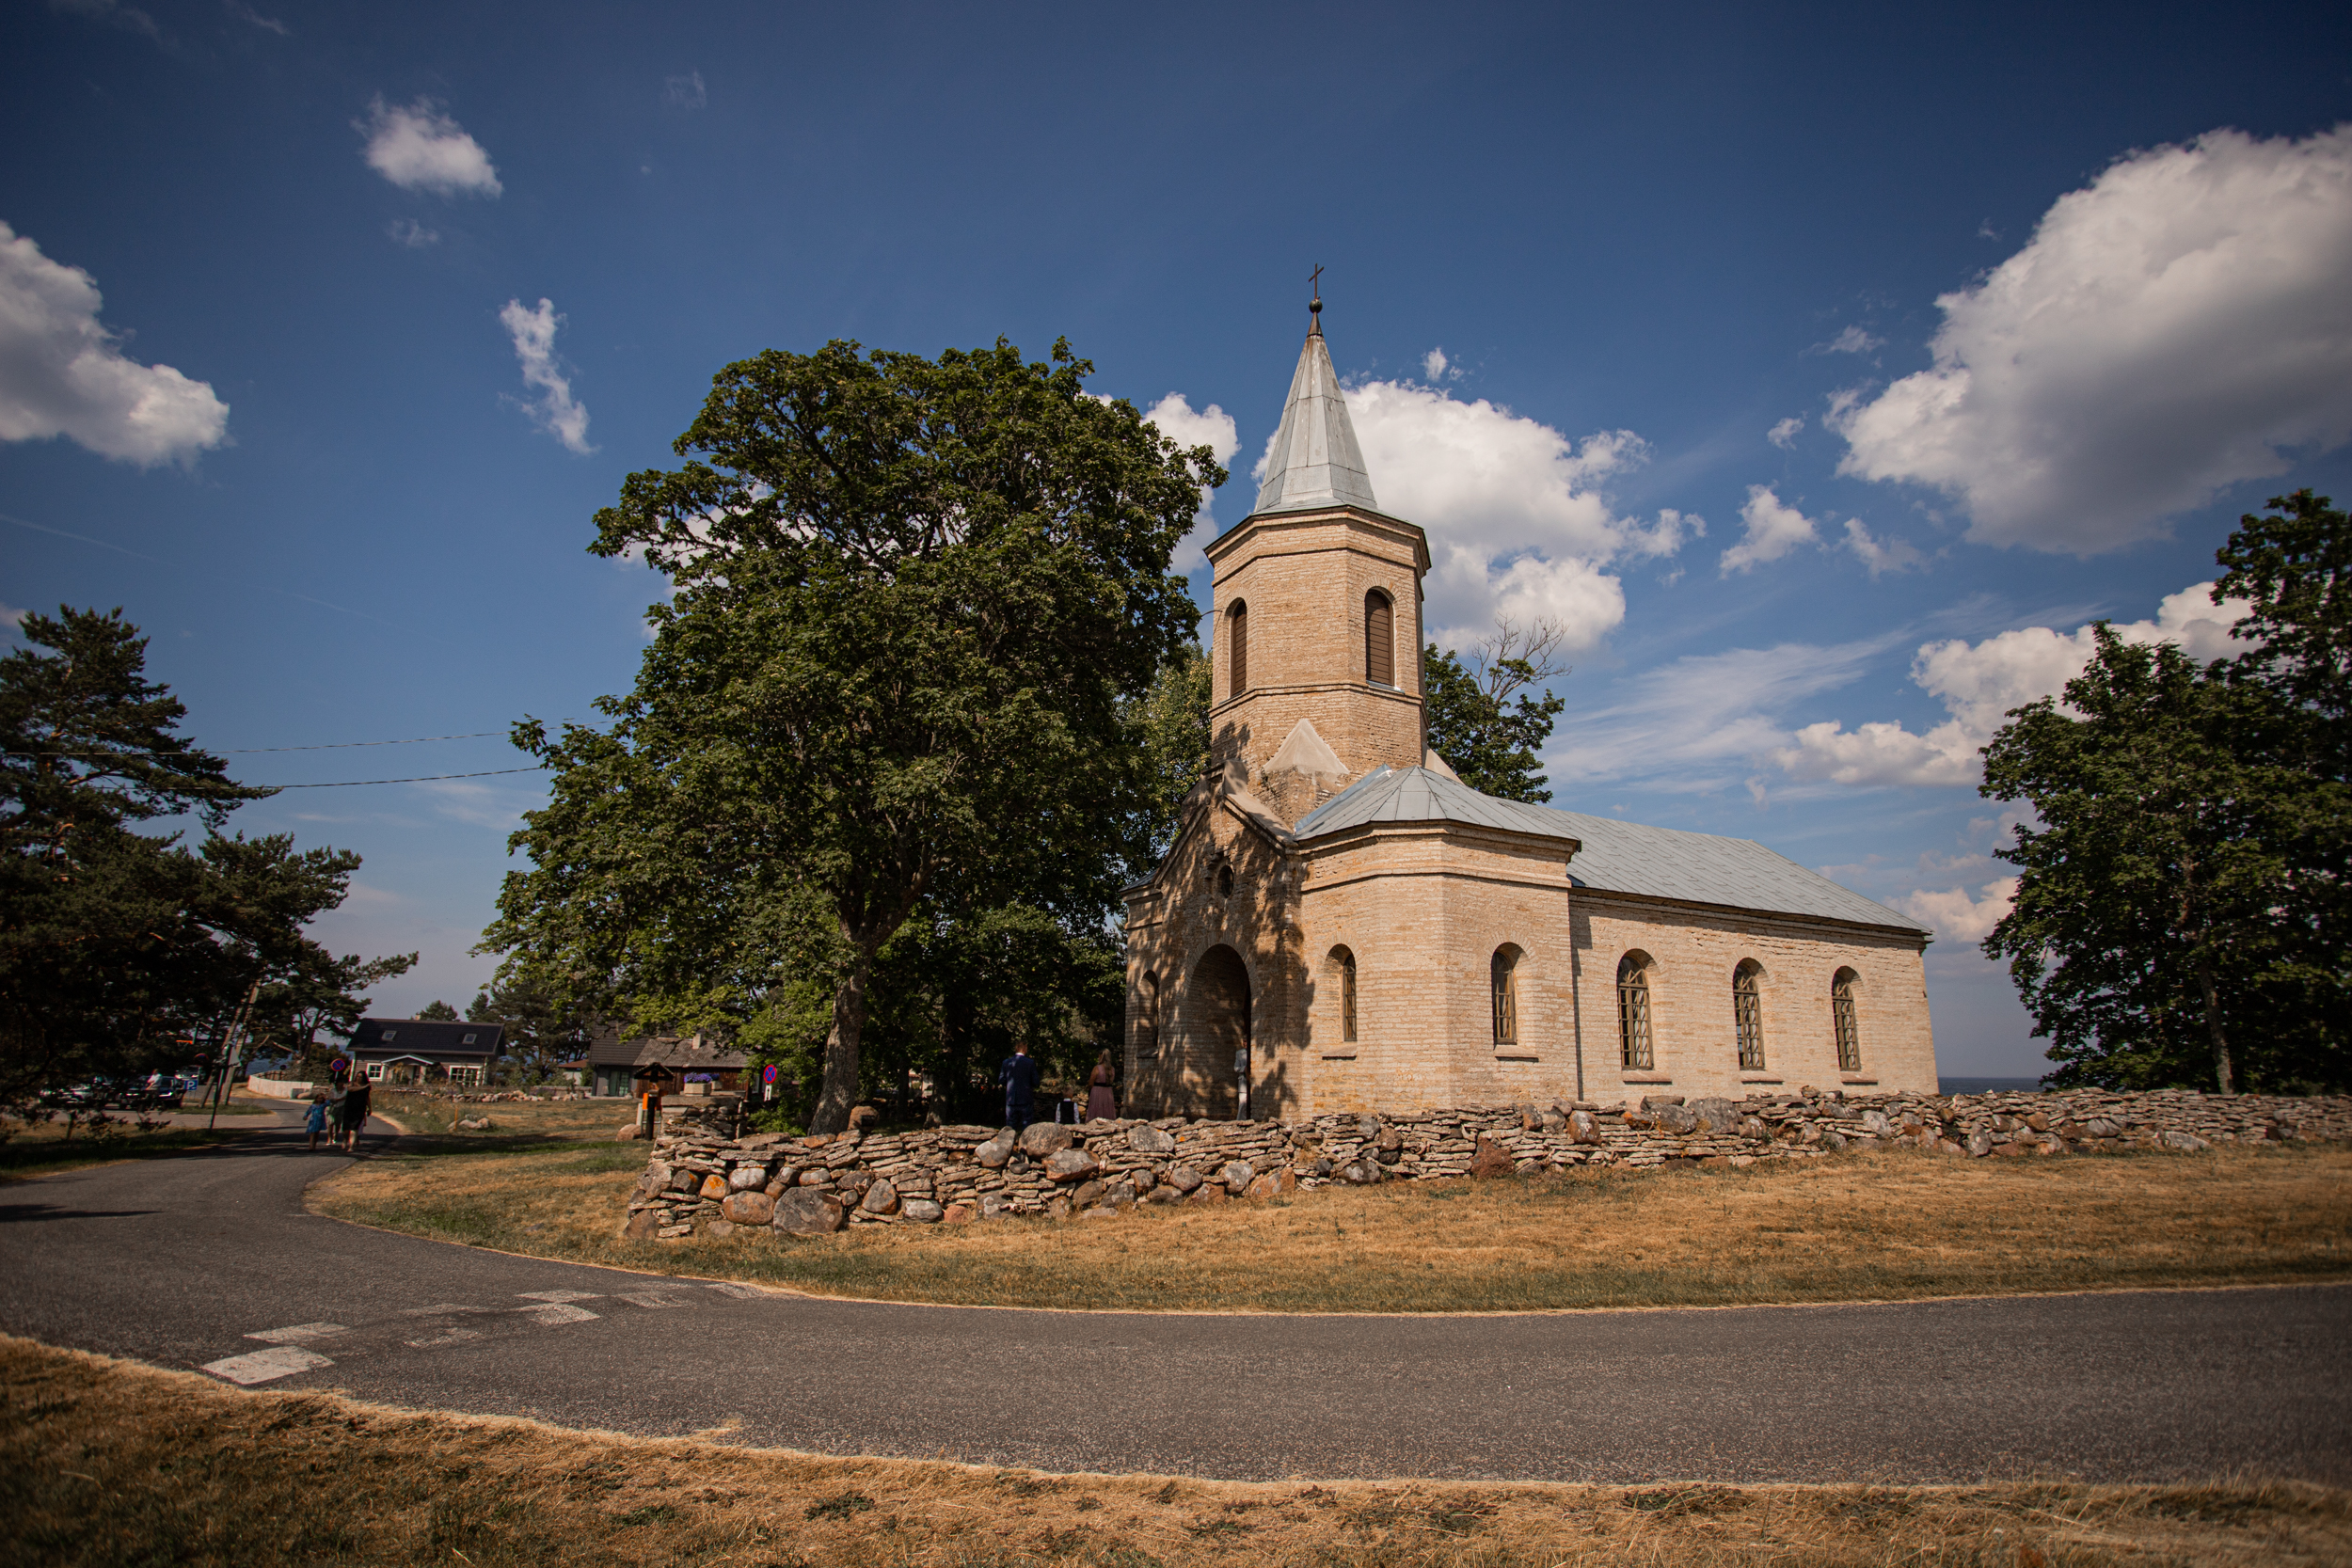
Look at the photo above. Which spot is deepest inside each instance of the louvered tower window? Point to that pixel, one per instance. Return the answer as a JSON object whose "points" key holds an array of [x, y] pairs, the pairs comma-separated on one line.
{"points": [[1237, 649], [1849, 1031], [1379, 639], [1747, 1011], [1633, 1012]]}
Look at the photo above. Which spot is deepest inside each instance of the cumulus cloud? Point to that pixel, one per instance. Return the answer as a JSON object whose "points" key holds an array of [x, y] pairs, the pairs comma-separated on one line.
{"points": [[1851, 341], [1187, 426], [419, 149], [2181, 323], [1955, 916], [1784, 435], [1517, 513], [1890, 555], [12, 617], [553, 410], [1437, 367], [1979, 683], [61, 373], [1774, 529]]}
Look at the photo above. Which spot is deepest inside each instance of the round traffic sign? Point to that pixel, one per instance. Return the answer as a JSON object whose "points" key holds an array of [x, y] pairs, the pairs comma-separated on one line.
{"points": [[768, 1074]]}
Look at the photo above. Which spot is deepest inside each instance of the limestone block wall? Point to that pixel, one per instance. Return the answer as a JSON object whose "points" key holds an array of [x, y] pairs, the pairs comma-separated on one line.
{"points": [[1692, 954], [700, 1181]]}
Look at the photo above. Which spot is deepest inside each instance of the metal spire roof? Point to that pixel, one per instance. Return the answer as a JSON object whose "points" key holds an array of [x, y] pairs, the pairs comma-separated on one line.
{"points": [[1315, 461]]}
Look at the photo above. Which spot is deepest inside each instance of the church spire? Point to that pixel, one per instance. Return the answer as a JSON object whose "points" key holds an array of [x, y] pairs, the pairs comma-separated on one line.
{"points": [[1315, 461]]}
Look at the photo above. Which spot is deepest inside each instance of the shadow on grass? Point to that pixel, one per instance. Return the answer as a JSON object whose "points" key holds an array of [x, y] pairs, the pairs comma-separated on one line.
{"points": [[21, 1158]]}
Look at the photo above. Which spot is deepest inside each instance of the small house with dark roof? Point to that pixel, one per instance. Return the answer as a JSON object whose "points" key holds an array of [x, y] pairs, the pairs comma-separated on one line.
{"points": [[698, 1065], [1342, 925], [425, 1050]]}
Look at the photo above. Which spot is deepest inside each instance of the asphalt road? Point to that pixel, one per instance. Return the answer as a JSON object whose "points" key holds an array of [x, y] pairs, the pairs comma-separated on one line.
{"points": [[209, 1261]]}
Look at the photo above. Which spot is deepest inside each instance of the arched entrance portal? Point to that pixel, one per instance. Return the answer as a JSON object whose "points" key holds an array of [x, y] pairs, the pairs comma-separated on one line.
{"points": [[1219, 1033]]}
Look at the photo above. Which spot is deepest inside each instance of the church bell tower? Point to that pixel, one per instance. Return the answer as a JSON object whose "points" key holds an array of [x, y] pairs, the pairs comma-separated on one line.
{"points": [[1316, 634]]}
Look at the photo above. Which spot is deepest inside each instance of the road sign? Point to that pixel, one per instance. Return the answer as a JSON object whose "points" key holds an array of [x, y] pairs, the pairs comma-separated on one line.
{"points": [[768, 1075]]}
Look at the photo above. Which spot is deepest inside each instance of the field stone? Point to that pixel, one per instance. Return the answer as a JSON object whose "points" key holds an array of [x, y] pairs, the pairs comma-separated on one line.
{"points": [[1071, 1164], [1044, 1138], [748, 1207], [2186, 1143], [1585, 1127], [641, 1224], [960, 1213], [1360, 1173], [1714, 1115], [922, 1211], [1491, 1160], [1980, 1143], [744, 1177], [1209, 1194], [816, 1177], [880, 1198], [1184, 1179], [806, 1212], [1162, 1195], [1148, 1139], [628, 1131], [1085, 1195], [992, 1154], [715, 1187], [1237, 1176]]}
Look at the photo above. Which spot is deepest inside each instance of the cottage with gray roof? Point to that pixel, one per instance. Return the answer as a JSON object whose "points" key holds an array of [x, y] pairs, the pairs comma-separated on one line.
{"points": [[1344, 924]]}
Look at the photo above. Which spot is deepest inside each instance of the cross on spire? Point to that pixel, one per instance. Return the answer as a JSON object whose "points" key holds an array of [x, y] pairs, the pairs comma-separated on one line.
{"points": [[1314, 304]]}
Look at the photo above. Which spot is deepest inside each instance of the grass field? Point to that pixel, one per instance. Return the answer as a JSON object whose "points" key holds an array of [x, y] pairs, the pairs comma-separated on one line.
{"points": [[1878, 1224], [43, 1147], [105, 1463]]}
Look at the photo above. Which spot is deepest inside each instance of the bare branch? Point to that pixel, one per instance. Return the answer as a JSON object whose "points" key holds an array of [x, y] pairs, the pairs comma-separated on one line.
{"points": [[1515, 656]]}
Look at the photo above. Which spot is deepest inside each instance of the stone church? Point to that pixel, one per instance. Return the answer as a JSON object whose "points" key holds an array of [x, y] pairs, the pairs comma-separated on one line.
{"points": [[1342, 925]]}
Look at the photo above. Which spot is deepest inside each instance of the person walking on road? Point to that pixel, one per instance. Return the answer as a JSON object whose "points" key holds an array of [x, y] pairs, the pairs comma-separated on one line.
{"points": [[354, 1112], [315, 1123], [1102, 1106], [1020, 1075]]}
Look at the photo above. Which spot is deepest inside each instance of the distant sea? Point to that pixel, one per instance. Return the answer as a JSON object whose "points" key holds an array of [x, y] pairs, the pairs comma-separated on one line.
{"points": [[1988, 1086]]}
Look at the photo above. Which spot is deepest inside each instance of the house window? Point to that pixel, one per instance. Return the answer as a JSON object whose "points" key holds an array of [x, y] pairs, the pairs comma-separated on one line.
{"points": [[1237, 649], [1633, 1012], [468, 1038], [1747, 1011], [375, 1069], [1841, 1012], [1379, 639], [1503, 976], [1343, 972], [390, 1035]]}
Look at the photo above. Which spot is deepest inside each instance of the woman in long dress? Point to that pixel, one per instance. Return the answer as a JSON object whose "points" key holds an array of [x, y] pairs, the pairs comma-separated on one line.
{"points": [[1102, 1106]]}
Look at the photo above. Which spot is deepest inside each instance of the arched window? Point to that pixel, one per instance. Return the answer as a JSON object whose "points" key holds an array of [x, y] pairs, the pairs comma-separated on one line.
{"points": [[1148, 1025], [1747, 1011], [1633, 1012], [1237, 649], [1343, 976], [1503, 974], [1224, 881], [1841, 1012], [1379, 639]]}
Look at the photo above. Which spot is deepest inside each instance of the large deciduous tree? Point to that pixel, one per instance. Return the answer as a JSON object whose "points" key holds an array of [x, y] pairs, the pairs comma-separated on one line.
{"points": [[1484, 723], [2181, 914], [912, 603]]}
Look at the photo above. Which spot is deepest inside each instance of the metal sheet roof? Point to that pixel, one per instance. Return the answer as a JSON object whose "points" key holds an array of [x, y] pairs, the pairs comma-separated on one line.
{"points": [[1616, 857], [1315, 460]]}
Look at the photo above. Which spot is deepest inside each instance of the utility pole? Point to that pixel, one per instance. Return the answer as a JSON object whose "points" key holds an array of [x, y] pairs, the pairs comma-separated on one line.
{"points": [[235, 1045]]}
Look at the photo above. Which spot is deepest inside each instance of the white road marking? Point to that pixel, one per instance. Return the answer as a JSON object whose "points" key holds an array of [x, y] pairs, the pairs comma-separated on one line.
{"points": [[454, 1336], [558, 1295], [741, 1293], [555, 1313], [262, 1366], [437, 1307], [299, 1334], [650, 1298]]}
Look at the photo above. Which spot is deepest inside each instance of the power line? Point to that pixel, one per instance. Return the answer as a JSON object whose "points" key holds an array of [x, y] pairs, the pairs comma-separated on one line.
{"points": [[256, 750], [428, 777]]}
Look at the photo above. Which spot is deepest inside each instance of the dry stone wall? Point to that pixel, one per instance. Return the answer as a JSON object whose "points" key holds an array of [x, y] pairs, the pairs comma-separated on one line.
{"points": [[701, 1181]]}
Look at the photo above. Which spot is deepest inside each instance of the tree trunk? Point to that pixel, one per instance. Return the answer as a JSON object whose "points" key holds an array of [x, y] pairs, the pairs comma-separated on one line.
{"points": [[2222, 1072], [840, 1090]]}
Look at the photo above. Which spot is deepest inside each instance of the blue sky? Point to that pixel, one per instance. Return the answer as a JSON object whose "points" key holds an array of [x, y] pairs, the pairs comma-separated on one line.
{"points": [[1821, 371]]}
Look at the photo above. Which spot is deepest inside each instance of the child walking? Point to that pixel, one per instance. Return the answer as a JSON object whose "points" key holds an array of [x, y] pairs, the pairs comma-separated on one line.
{"points": [[315, 1123]]}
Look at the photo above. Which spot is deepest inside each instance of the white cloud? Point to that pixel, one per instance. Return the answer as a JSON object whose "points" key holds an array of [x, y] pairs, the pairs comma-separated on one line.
{"points": [[1187, 426], [12, 617], [685, 92], [1851, 341], [1784, 435], [1979, 683], [129, 18], [408, 232], [1434, 365], [61, 373], [245, 13], [1774, 529], [421, 148], [1954, 916], [553, 411], [1517, 512], [1892, 555], [2181, 323]]}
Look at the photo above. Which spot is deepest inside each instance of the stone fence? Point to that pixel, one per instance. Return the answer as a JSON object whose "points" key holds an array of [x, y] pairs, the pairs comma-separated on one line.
{"points": [[700, 1181]]}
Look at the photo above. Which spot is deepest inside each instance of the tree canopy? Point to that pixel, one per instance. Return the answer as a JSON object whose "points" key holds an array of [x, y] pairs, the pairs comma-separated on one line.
{"points": [[2181, 912], [118, 946], [913, 603], [1492, 743]]}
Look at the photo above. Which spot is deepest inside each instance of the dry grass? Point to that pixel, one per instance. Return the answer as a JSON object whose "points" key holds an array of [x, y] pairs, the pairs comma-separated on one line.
{"points": [[510, 1118], [108, 1462], [1879, 1225]]}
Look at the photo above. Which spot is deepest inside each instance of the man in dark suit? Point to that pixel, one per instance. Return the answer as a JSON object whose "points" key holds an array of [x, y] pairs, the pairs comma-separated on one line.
{"points": [[1020, 1075]]}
